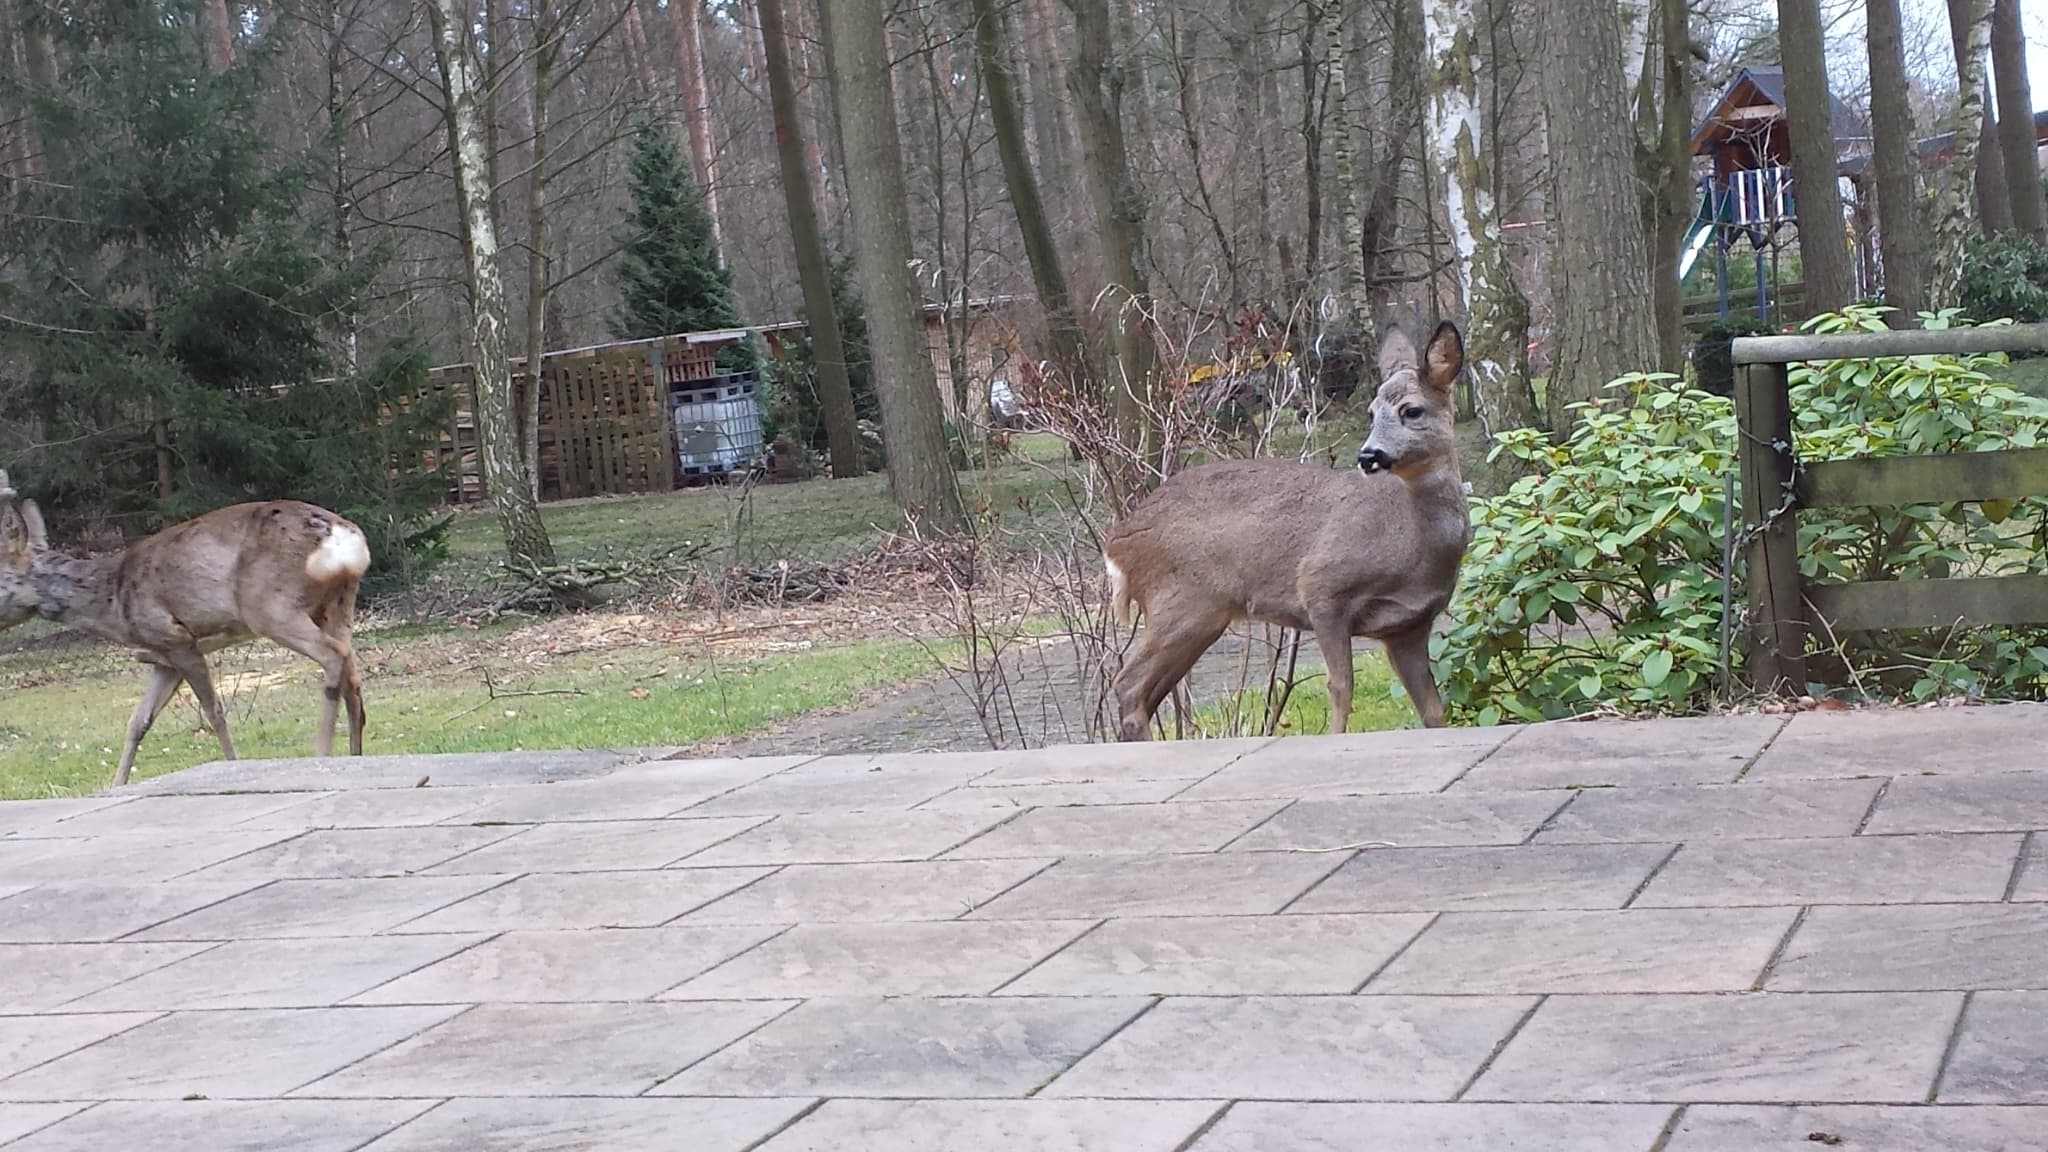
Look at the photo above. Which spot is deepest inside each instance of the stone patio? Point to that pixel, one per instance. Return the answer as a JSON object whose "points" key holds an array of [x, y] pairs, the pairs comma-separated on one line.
{"points": [[1719, 935]]}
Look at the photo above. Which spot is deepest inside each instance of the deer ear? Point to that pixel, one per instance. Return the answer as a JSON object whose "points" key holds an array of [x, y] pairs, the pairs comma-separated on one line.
{"points": [[1397, 353], [1445, 357]]}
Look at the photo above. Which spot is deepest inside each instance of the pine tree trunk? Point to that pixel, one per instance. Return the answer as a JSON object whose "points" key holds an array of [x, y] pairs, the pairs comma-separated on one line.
{"points": [[639, 55], [828, 353], [1605, 324], [913, 423], [1952, 225], [1119, 215], [1823, 243], [1496, 313], [2016, 120], [1677, 195], [1901, 229], [497, 424], [1040, 249], [688, 26], [220, 35], [1979, 163]]}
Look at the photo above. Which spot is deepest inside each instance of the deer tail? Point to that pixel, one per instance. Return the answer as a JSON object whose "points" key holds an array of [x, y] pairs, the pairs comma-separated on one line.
{"points": [[1120, 600]]}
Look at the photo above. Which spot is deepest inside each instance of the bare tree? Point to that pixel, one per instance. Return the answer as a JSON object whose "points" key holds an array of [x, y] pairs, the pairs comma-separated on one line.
{"points": [[1497, 328], [496, 416], [1040, 248], [1979, 162], [2016, 120], [1598, 255], [1097, 84], [1952, 223], [1671, 187], [1901, 229], [913, 426], [1809, 122], [828, 354]]}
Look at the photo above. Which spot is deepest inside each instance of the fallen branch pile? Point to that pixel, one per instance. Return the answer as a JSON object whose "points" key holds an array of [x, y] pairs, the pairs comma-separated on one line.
{"points": [[539, 588]]}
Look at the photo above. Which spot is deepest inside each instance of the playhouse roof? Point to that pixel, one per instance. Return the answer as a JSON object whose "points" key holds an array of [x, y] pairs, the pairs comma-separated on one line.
{"points": [[1757, 97]]}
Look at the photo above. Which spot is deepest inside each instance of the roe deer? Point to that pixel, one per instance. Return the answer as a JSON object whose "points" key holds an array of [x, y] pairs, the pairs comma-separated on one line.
{"points": [[1370, 553], [281, 570]]}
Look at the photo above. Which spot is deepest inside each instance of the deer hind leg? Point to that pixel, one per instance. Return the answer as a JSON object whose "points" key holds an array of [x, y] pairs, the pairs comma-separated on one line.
{"points": [[1408, 652], [1334, 638], [190, 663], [1175, 636], [163, 684], [337, 664], [338, 624]]}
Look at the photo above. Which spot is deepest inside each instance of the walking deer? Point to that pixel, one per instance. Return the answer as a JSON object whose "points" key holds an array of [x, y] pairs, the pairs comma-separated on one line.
{"points": [[281, 570], [1372, 552]]}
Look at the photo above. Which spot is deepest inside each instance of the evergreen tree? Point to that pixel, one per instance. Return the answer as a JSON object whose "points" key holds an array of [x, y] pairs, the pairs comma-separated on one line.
{"points": [[671, 278], [170, 317]]}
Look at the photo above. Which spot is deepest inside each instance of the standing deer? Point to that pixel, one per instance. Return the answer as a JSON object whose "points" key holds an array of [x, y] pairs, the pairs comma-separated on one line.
{"points": [[1369, 553], [281, 570]]}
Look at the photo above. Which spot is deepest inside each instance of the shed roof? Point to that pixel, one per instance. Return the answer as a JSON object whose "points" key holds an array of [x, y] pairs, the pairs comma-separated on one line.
{"points": [[1758, 94]]}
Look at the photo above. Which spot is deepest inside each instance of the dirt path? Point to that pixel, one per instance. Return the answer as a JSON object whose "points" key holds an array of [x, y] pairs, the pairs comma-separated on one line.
{"points": [[1050, 696]]}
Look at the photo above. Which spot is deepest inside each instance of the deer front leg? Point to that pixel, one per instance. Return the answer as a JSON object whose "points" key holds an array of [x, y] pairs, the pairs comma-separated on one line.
{"points": [[163, 684], [1334, 638], [191, 664], [1409, 654]]}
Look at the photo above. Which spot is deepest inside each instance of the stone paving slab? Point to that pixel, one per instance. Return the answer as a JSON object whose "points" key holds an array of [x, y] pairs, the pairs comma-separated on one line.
{"points": [[1726, 935]]}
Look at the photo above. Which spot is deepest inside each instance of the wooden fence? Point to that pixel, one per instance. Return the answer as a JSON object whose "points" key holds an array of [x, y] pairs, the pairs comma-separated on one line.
{"points": [[604, 417], [1776, 486]]}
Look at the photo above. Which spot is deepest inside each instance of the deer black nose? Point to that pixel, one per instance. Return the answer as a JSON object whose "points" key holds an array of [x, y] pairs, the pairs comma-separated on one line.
{"points": [[1374, 460]]}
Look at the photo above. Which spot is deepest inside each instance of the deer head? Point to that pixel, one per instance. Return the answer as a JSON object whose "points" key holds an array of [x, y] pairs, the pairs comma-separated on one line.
{"points": [[22, 543], [1411, 415]]}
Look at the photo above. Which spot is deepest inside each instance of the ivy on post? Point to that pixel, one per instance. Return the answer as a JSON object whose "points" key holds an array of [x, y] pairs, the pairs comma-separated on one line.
{"points": [[1777, 616]]}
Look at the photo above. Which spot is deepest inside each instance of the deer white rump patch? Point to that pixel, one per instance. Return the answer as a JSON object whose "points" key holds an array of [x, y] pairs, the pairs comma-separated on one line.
{"points": [[345, 552], [1119, 591]]}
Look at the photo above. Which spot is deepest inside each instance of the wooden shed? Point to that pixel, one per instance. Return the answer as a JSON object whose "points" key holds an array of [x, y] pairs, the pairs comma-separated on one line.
{"points": [[606, 426]]}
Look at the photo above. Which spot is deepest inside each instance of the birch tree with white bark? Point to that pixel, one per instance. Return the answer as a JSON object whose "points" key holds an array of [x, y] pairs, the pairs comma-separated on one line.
{"points": [[1496, 312], [1952, 220], [496, 408]]}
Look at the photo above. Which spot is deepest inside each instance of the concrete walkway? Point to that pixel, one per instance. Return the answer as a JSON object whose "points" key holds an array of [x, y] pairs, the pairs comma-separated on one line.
{"points": [[1722, 935]]}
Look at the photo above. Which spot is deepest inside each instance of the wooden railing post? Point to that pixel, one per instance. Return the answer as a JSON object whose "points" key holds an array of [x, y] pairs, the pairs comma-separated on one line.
{"points": [[1777, 616]]}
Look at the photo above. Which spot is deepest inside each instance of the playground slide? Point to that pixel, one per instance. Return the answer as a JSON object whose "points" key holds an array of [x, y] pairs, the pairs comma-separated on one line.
{"points": [[1695, 243]]}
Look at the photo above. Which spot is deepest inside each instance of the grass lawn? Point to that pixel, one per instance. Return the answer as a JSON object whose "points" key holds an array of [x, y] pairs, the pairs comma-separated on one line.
{"points": [[1377, 704], [62, 715]]}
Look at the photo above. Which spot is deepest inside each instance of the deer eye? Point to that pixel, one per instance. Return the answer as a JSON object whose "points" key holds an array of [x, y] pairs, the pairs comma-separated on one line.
{"points": [[1412, 412]]}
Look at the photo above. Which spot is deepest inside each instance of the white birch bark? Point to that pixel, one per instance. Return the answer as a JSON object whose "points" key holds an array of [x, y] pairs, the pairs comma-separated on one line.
{"points": [[497, 428], [1952, 219], [1496, 313]]}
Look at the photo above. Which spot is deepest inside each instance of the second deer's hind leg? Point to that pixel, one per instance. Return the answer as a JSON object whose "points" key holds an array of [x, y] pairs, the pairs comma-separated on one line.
{"points": [[163, 684], [337, 663], [1334, 638], [1175, 636], [337, 624]]}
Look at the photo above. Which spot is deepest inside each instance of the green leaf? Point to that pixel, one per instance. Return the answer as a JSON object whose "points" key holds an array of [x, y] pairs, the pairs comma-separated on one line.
{"points": [[1690, 502], [1657, 667], [1996, 510], [1589, 685]]}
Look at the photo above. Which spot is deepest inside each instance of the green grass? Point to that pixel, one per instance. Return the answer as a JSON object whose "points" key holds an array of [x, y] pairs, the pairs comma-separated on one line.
{"points": [[1377, 705], [62, 716]]}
